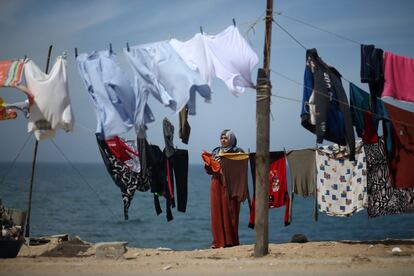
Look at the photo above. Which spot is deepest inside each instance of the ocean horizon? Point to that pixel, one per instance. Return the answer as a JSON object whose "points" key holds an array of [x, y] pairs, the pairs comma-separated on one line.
{"points": [[81, 200]]}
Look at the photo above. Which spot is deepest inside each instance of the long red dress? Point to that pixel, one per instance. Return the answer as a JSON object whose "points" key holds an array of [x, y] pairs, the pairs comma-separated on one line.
{"points": [[225, 206]]}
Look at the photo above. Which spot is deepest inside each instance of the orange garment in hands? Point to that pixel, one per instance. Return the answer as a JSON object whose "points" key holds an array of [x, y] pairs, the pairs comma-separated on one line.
{"points": [[210, 162]]}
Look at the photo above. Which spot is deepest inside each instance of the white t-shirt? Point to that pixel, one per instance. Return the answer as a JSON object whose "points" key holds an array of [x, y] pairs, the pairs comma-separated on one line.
{"points": [[226, 55], [51, 108], [194, 54]]}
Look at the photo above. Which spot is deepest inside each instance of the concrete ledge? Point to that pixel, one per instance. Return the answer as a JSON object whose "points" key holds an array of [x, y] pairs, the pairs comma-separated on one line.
{"points": [[111, 250]]}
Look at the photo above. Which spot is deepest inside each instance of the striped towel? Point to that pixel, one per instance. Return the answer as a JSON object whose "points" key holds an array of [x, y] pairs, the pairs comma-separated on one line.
{"points": [[11, 72]]}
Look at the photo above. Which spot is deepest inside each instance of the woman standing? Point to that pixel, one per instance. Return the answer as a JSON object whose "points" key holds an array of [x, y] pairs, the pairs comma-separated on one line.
{"points": [[224, 208]]}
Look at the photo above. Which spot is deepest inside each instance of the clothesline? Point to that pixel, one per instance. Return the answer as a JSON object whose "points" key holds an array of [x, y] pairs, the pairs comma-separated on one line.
{"points": [[298, 42], [339, 101], [318, 28], [250, 23], [90, 186], [15, 159]]}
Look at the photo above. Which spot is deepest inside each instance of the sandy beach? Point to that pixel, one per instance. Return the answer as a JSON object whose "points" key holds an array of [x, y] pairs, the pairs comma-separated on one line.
{"points": [[76, 257]]}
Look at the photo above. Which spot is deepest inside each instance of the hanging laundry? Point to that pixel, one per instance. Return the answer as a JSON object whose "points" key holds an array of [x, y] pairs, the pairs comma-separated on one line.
{"points": [[302, 167], [142, 148], [177, 168], [8, 111], [278, 191], [234, 174], [328, 114], [125, 151], [402, 158], [159, 70], [185, 128], [161, 177], [204, 91], [226, 55], [196, 56], [21, 106], [127, 180], [168, 131], [117, 106], [372, 70], [11, 72], [341, 183], [366, 120], [51, 108], [398, 74], [383, 198]]}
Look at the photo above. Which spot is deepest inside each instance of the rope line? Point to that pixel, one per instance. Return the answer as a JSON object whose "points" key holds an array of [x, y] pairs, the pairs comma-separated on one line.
{"points": [[96, 193], [339, 101], [318, 28], [291, 36], [15, 159], [251, 28]]}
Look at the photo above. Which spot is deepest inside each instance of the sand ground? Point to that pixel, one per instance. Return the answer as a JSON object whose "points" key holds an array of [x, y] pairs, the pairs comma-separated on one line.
{"points": [[75, 257]]}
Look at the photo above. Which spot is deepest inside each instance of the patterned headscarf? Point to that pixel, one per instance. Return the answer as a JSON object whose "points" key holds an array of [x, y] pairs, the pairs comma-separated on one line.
{"points": [[231, 138], [232, 144]]}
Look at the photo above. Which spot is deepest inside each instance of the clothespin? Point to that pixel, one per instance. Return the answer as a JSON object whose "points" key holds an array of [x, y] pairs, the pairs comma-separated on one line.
{"points": [[76, 52], [110, 48], [201, 29], [234, 22], [127, 46]]}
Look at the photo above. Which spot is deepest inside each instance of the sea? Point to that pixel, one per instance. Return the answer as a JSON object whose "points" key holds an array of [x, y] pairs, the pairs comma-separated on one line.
{"points": [[81, 200]]}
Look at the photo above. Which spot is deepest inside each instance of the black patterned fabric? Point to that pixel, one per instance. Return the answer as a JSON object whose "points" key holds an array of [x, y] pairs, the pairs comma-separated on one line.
{"points": [[127, 180], [383, 198]]}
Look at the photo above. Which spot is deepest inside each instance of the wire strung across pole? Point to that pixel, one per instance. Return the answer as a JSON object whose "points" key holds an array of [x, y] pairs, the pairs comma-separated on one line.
{"points": [[319, 28], [333, 99], [14, 160], [90, 186], [291, 36]]}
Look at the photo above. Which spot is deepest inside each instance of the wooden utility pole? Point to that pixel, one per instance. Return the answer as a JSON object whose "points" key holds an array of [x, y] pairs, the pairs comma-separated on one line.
{"points": [[263, 92], [29, 209]]}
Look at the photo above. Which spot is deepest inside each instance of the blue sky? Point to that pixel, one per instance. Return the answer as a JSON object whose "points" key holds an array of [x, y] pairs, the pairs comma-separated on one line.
{"points": [[28, 28]]}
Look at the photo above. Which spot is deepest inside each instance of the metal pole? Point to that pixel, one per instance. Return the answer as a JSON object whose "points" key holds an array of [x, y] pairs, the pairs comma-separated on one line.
{"points": [[263, 92], [29, 209]]}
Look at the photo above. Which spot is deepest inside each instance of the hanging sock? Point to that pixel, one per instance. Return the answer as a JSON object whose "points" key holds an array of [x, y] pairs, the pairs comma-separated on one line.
{"points": [[185, 128], [168, 131]]}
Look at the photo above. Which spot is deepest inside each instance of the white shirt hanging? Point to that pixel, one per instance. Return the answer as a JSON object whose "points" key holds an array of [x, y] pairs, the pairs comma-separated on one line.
{"points": [[51, 108], [226, 55], [233, 59], [194, 54]]}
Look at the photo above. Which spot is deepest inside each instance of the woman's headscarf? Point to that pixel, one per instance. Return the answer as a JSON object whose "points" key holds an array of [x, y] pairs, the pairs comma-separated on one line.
{"points": [[232, 147], [231, 137]]}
